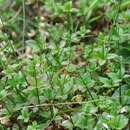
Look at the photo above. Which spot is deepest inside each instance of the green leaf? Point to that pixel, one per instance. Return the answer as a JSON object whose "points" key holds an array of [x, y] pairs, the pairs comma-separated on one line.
{"points": [[67, 124], [83, 121], [67, 6], [25, 115], [71, 68], [118, 122], [106, 82]]}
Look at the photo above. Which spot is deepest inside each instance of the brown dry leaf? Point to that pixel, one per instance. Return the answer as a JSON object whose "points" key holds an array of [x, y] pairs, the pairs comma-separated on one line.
{"points": [[29, 2], [5, 121], [55, 127], [28, 52], [66, 117], [41, 26], [42, 18], [1, 107], [81, 63], [14, 34], [32, 33], [78, 98], [1, 24]]}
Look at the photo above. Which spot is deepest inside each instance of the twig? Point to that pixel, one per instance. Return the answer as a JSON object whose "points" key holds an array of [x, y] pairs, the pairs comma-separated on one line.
{"points": [[17, 13], [59, 104]]}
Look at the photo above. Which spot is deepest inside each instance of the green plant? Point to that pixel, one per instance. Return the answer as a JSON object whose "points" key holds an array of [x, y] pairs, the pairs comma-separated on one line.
{"points": [[66, 67]]}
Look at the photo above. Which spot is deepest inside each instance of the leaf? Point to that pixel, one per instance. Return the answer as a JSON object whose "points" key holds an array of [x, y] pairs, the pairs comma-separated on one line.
{"points": [[106, 82], [33, 126], [29, 2], [67, 6], [111, 56], [115, 77], [5, 121], [49, 94], [124, 94], [25, 115], [84, 121], [87, 80], [118, 122], [91, 8], [67, 124], [4, 4], [71, 68], [90, 108]]}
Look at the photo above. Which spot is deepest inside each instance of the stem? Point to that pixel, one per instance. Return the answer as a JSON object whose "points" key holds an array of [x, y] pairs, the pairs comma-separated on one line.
{"points": [[6, 107], [36, 83], [24, 22], [69, 44], [120, 75], [89, 92]]}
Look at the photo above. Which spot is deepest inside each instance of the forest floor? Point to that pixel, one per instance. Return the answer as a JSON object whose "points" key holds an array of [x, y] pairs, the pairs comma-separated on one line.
{"points": [[64, 65]]}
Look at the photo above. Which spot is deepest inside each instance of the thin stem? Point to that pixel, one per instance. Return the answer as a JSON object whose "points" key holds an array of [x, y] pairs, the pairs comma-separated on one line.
{"points": [[36, 83], [61, 104], [24, 22], [120, 87], [120, 91], [7, 108], [70, 22], [89, 92]]}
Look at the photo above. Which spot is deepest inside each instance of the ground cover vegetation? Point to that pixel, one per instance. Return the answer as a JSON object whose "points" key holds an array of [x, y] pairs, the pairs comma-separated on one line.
{"points": [[64, 64]]}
